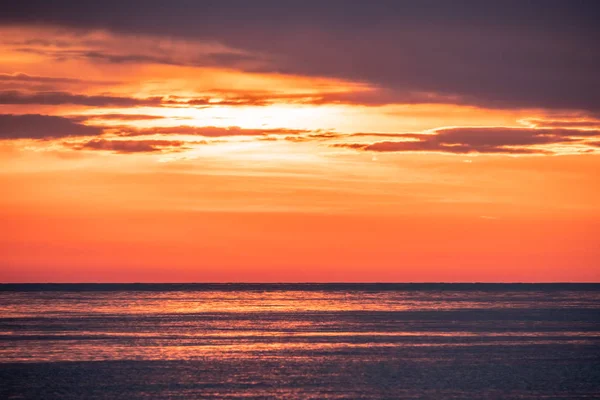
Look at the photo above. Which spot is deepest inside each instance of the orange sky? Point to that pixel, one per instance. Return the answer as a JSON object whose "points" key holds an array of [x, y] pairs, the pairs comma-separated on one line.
{"points": [[133, 169]]}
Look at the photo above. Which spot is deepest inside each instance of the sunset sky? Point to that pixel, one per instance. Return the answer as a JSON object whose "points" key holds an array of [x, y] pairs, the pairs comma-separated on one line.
{"points": [[261, 141]]}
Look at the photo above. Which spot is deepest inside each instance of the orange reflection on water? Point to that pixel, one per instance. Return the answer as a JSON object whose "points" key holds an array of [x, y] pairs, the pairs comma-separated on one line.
{"points": [[190, 325], [191, 302]]}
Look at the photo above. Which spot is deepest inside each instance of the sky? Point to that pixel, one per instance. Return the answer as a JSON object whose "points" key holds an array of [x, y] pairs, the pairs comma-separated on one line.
{"points": [[300, 141]]}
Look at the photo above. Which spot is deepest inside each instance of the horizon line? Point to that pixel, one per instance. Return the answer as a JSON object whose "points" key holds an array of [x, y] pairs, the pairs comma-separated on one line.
{"points": [[316, 283]]}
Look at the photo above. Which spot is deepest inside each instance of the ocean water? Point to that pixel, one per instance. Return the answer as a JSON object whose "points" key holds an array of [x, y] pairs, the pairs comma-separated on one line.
{"points": [[371, 341]]}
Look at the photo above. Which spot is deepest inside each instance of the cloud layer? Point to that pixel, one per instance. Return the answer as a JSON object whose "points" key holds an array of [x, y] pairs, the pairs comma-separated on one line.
{"points": [[495, 55], [36, 126], [58, 98], [135, 146], [480, 140]]}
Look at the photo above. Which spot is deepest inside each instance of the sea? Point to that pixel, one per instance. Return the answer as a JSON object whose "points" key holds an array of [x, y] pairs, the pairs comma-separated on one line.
{"points": [[299, 341]]}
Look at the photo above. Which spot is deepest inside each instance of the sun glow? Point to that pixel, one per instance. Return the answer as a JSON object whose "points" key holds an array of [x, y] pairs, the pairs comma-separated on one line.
{"points": [[229, 153]]}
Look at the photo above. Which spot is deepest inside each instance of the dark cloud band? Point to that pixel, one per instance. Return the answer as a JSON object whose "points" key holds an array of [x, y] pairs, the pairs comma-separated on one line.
{"points": [[36, 126], [510, 54], [499, 140]]}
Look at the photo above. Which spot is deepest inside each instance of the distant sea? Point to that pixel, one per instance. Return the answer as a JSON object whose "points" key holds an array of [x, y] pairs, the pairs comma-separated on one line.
{"points": [[305, 341]]}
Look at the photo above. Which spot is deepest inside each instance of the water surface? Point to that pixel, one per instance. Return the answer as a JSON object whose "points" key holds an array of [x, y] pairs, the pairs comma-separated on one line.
{"points": [[300, 341]]}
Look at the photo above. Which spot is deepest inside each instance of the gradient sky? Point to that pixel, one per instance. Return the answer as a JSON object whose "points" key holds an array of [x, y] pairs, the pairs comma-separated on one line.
{"points": [[178, 141]]}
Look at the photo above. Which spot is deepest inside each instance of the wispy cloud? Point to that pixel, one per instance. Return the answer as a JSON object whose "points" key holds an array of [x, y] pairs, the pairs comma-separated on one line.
{"points": [[22, 77], [58, 98], [136, 146], [207, 131], [461, 140]]}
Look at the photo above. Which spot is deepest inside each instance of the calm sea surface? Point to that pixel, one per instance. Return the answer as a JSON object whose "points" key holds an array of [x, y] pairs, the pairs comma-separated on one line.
{"points": [[367, 341]]}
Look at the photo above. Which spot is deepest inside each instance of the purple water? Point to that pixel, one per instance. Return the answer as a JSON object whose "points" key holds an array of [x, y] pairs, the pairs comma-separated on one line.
{"points": [[299, 341]]}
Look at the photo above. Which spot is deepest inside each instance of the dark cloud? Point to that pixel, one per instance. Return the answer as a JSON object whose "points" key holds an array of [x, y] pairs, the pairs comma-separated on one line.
{"points": [[509, 54], [230, 99], [380, 97], [478, 140], [18, 82], [135, 146], [433, 146], [107, 55], [120, 58], [35, 126], [501, 136], [57, 98], [21, 77], [118, 117], [208, 131]]}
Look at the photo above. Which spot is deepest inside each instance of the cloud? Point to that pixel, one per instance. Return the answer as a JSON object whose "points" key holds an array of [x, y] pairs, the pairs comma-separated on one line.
{"points": [[361, 95], [501, 140], [353, 93], [136, 146], [22, 77], [228, 99], [516, 55], [445, 148], [208, 131], [19, 81], [313, 137], [58, 98], [391, 135], [117, 117], [207, 101], [212, 59], [36, 126], [502, 136], [103, 47], [563, 123]]}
